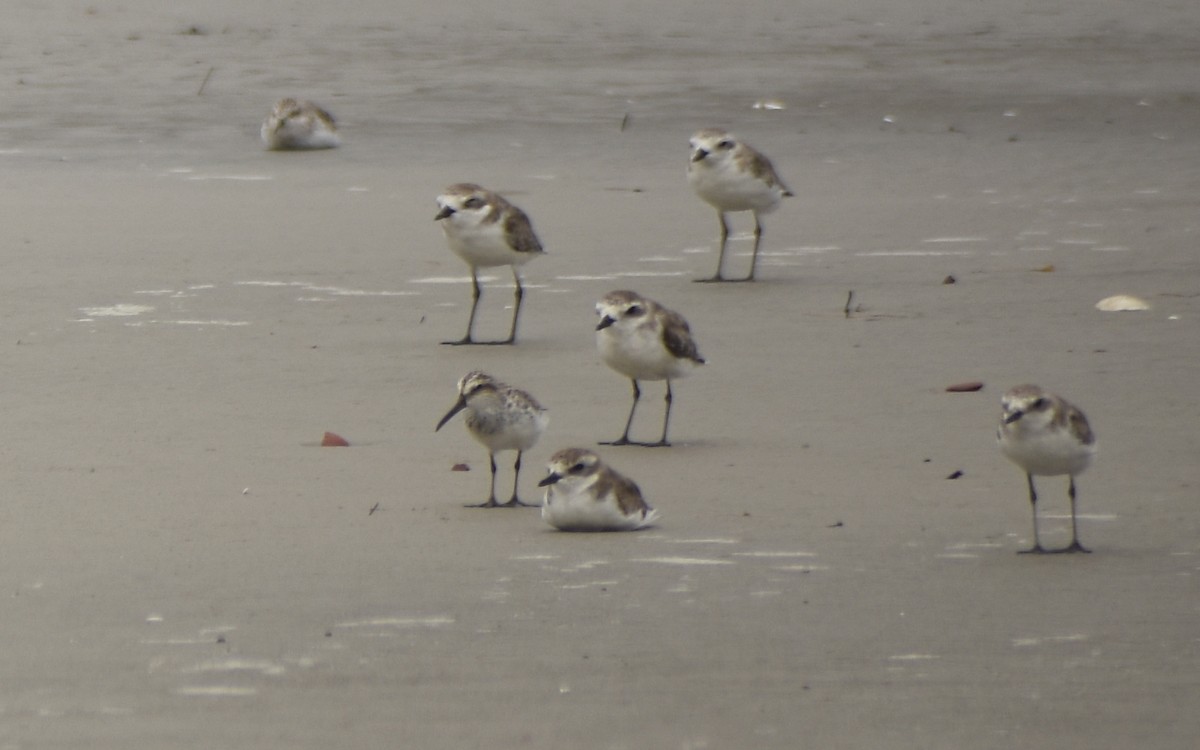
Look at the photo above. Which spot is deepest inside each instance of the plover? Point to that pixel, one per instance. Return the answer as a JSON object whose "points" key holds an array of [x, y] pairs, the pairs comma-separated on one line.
{"points": [[485, 230], [501, 417], [643, 340], [731, 176], [1047, 436], [584, 494], [299, 125]]}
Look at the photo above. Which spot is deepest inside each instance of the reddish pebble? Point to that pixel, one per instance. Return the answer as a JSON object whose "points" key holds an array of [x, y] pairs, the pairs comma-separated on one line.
{"points": [[460, 467], [333, 440], [970, 387]]}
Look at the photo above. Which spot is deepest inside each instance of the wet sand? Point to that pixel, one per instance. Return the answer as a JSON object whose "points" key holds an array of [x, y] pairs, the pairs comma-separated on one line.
{"points": [[186, 314]]}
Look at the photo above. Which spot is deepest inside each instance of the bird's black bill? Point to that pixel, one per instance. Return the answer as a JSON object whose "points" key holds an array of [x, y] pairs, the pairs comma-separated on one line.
{"points": [[462, 404]]}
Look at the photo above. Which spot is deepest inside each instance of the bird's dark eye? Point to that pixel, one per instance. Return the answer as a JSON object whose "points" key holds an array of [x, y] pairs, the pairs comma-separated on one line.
{"points": [[725, 144], [1039, 404], [577, 468], [473, 203], [635, 310]]}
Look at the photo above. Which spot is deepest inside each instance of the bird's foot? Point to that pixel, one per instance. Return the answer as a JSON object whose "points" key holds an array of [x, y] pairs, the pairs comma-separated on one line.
{"points": [[516, 502], [489, 503], [1074, 546], [627, 441], [473, 342], [1036, 549], [1071, 548], [719, 279]]}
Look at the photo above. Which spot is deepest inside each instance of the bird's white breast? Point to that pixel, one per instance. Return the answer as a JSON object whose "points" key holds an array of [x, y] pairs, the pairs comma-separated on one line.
{"points": [[578, 509], [1047, 452], [728, 188], [638, 352], [481, 245], [298, 133]]}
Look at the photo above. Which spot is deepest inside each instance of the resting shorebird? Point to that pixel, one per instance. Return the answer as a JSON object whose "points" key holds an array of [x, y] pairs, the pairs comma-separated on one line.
{"points": [[584, 494], [643, 340], [1047, 436], [731, 176], [485, 230], [501, 417], [299, 125]]}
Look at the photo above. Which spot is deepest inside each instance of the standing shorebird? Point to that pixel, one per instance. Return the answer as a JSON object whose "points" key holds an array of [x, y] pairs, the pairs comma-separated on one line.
{"points": [[501, 417], [485, 230], [731, 176], [643, 340], [584, 494], [1047, 436], [299, 125]]}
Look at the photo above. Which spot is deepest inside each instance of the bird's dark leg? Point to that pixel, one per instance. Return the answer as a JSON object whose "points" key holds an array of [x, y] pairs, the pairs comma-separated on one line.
{"points": [[758, 231], [624, 439], [518, 296], [721, 254], [514, 501], [476, 293], [1037, 548], [662, 443], [1074, 546], [491, 501]]}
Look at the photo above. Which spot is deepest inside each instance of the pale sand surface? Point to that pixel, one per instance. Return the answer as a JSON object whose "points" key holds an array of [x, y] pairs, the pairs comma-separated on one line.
{"points": [[186, 569]]}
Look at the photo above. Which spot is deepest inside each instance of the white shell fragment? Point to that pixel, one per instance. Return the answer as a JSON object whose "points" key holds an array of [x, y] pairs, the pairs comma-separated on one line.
{"points": [[1121, 303], [771, 104]]}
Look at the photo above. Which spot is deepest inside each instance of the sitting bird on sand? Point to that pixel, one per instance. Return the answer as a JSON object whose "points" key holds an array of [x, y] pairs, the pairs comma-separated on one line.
{"points": [[584, 494], [298, 125]]}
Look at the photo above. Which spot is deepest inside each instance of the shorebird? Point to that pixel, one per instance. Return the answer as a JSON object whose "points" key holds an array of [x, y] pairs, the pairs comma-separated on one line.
{"points": [[643, 340], [1046, 435], [584, 494], [299, 125], [731, 176], [485, 230], [502, 418]]}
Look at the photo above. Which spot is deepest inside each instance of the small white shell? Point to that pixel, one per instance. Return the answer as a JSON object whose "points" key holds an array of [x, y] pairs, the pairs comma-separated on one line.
{"points": [[1121, 303]]}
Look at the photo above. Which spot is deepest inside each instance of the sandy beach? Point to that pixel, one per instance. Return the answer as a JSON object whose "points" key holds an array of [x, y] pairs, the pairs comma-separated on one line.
{"points": [[185, 315]]}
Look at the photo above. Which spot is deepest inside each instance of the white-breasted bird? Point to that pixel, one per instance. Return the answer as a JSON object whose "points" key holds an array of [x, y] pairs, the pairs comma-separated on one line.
{"points": [[485, 230], [299, 125], [585, 494], [731, 176], [643, 340], [1046, 435]]}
